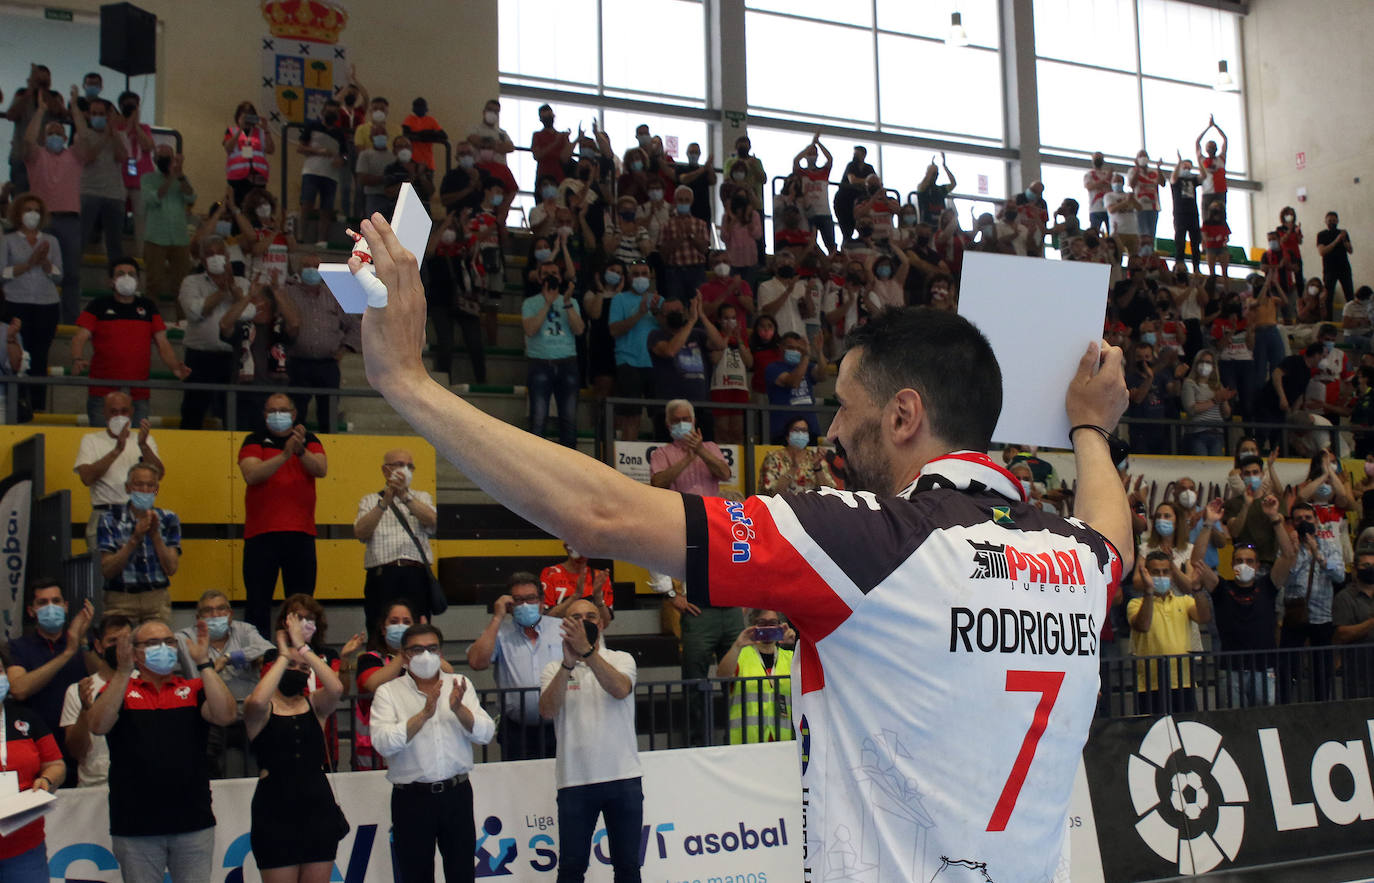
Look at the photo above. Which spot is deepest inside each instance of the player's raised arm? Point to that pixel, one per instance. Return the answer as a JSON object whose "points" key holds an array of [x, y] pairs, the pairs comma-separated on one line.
{"points": [[564, 492], [1097, 397]]}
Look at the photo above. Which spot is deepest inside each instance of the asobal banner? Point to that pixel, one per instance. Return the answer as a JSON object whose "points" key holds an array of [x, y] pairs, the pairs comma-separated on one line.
{"points": [[729, 813], [16, 498], [1192, 793]]}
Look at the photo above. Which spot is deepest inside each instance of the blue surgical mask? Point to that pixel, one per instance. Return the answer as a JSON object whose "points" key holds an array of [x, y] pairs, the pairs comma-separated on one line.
{"points": [[55, 143], [1148, 337], [792, 357], [640, 284], [1253, 482], [142, 500], [680, 430], [1164, 527], [311, 276], [526, 615], [498, 199], [51, 617], [683, 208], [542, 254], [799, 438], [92, 91], [1162, 584], [1030, 194], [218, 626], [98, 123], [4, 687], [611, 277], [279, 421], [1323, 492], [394, 632], [379, 142], [1328, 345], [883, 272], [637, 166], [548, 191], [160, 659]]}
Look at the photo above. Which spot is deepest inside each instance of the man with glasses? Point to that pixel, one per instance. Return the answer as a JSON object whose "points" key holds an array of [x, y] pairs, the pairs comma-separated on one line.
{"points": [[235, 648], [396, 523], [425, 725], [140, 550], [155, 725], [520, 641], [589, 694]]}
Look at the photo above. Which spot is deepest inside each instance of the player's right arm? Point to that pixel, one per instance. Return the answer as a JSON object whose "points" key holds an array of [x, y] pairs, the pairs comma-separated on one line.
{"points": [[1098, 396]]}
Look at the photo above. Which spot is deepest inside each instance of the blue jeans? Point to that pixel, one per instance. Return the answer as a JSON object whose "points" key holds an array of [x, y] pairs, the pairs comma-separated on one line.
{"points": [[622, 802], [67, 228], [1203, 444], [682, 282], [1268, 353], [26, 867], [1148, 221], [555, 378], [108, 214]]}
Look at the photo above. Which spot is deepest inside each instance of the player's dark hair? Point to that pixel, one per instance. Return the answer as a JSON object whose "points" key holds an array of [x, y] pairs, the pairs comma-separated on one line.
{"points": [[1158, 555], [1246, 461], [419, 630], [944, 358]]}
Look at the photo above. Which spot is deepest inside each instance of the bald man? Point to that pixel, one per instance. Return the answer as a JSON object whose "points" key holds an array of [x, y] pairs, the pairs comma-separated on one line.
{"points": [[396, 523]]}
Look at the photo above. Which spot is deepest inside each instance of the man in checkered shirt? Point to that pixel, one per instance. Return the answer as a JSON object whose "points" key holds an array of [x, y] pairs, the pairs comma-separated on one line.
{"points": [[396, 567]]}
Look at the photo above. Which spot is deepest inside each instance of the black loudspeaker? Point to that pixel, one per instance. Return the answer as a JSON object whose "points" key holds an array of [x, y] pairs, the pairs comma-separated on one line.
{"points": [[128, 39]]}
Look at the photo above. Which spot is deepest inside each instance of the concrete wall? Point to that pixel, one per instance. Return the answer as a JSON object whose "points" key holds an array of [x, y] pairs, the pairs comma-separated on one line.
{"points": [[209, 58], [1308, 80]]}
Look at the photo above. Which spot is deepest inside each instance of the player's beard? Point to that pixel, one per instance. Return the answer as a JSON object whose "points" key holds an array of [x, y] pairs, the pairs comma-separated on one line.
{"points": [[868, 466]]}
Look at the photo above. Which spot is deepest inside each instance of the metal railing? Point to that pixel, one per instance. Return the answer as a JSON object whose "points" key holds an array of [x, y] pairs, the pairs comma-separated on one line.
{"points": [[1177, 429]]}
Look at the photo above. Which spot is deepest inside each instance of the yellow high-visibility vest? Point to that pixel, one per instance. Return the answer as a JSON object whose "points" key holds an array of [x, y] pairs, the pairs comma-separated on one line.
{"points": [[760, 711]]}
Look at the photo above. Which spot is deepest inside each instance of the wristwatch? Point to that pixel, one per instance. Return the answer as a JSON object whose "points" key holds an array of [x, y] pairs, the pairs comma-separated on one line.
{"points": [[670, 594]]}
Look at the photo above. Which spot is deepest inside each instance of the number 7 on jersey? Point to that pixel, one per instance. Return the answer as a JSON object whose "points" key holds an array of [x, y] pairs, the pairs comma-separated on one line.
{"points": [[1047, 684]]}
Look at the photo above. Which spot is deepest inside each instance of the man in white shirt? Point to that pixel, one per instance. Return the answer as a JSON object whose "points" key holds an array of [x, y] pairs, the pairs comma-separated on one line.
{"points": [[205, 298], [425, 725], [89, 750], [398, 553], [589, 696], [783, 296], [105, 457]]}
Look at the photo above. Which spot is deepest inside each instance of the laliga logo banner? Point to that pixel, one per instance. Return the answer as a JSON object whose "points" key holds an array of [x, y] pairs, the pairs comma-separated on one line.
{"points": [[1219, 790], [729, 814], [16, 497]]}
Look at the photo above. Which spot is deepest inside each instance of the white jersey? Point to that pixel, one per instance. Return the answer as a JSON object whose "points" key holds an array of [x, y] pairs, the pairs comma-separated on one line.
{"points": [[947, 664]]}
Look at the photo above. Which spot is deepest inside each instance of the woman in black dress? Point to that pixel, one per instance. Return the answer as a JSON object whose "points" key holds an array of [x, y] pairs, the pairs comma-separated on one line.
{"points": [[296, 824]]}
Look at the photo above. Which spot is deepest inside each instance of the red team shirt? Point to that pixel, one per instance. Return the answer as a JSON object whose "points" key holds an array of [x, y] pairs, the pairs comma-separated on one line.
{"points": [[121, 340], [560, 583], [947, 666]]}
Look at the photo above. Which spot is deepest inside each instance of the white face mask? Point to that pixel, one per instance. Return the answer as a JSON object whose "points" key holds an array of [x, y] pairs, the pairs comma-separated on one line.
{"points": [[250, 312], [1245, 573], [117, 425], [406, 475], [30, 219], [722, 269], [126, 285], [490, 117], [1187, 498], [378, 116], [215, 264], [1204, 370], [404, 154], [264, 210], [448, 237], [424, 666]]}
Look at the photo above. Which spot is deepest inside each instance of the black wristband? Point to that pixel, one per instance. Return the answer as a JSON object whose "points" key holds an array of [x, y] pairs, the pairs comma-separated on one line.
{"points": [[1120, 450], [589, 652], [204, 665], [567, 667]]}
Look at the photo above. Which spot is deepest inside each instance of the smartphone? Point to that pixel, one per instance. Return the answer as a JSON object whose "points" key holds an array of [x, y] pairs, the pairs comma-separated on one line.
{"points": [[769, 633], [593, 630]]}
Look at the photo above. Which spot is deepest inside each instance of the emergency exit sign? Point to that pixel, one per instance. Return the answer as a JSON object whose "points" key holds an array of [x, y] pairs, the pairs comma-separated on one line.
{"points": [[52, 14]]}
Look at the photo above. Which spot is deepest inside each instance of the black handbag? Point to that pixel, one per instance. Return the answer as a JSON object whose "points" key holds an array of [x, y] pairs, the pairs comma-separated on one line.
{"points": [[438, 603]]}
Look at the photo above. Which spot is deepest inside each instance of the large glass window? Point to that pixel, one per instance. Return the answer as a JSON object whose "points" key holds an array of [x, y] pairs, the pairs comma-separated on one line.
{"points": [[809, 70], [1083, 109], [548, 40], [909, 72], [654, 47], [1096, 32], [930, 18]]}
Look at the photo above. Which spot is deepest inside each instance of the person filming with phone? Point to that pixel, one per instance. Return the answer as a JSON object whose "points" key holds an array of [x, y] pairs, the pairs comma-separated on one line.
{"points": [[589, 695], [760, 702]]}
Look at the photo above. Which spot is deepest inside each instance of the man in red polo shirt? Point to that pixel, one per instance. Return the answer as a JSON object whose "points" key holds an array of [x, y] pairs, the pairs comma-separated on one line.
{"points": [[121, 328], [156, 724], [280, 466], [31, 755]]}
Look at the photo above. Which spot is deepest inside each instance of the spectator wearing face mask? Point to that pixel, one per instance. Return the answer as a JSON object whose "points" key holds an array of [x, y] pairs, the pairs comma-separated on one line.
{"points": [[551, 148], [204, 299], [247, 145], [1290, 235], [1318, 568], [374, 156], [1207, 404], [1183, 185], [122, 328], [407, 169], [325, 334], [105, 457], [378, 114], [280, 466], [731, 365], [154, 719], [740, 229], [422, 131], [1098, 182], [380, 663], [1162, 622], [1333, 244], [138, 142], [235, 649], [489, 135], [1144, 183], [102, 179], [798, 467], [1245, 520], [165, 198], [520, 639], [791, 382], [1166, 535], [1123, 208], [396, 524], [89, 751], [36, 98], [876, 212], [1357, 318], [724, 287], [296, 823], [324, 144], [30, 267], [683, 241], [465, 185], [54, 173], [1353, 615], [552, 322], [1216, 235], [140, 550], [631, 321], [701, 178]]}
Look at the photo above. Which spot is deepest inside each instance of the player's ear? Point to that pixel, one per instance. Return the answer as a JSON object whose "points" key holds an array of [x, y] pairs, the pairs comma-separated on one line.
{"points": [[905, 416]]}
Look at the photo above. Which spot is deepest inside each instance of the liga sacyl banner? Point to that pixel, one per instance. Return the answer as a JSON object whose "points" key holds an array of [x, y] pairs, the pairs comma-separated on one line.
{"points": [[1191, 793], [730, 813]]}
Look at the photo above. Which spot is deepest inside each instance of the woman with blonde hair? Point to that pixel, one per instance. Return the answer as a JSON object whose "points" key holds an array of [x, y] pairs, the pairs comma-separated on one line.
{"points": [[1208, 406]]}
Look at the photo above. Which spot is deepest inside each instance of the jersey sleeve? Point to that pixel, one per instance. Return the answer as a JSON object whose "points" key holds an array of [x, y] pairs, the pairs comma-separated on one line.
{"points": [[809, 556]]}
